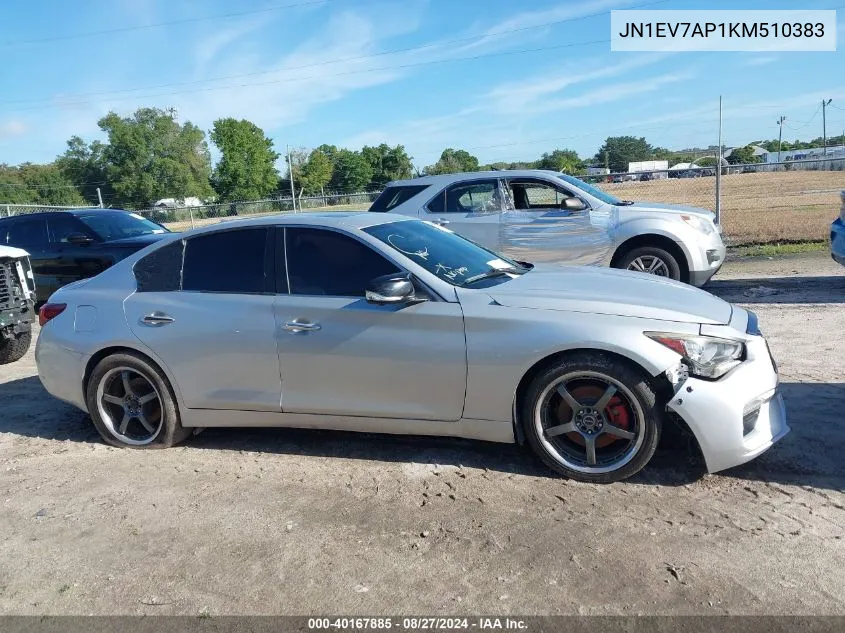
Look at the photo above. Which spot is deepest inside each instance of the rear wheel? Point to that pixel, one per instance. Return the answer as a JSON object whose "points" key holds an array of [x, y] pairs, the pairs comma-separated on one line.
{"points": [[14, 348], [651, 260], [592, 418], [132, 404]]}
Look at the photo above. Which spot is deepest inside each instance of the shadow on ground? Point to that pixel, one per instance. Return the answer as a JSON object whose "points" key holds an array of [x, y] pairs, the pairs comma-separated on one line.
{"points": [[780, 290], [809, 456]]}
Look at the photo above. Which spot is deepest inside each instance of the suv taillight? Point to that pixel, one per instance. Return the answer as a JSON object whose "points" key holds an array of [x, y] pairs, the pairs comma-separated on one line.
{"points": [[50, 311]]}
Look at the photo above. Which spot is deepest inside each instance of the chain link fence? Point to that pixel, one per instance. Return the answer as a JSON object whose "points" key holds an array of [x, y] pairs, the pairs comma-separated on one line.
{"points": [[760, 202]]}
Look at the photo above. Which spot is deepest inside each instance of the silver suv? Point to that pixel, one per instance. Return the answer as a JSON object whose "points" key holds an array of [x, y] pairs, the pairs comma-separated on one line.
{"points": [[547, 216]]}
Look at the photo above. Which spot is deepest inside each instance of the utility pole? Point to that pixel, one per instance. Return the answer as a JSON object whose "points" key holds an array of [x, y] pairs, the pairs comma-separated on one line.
{"points": [[290, 176], [824, 123], [100, 197], [780, 134], [719, 169]]}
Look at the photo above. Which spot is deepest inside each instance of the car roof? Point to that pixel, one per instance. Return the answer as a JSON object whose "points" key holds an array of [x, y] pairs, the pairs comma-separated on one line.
{"points": [[44, 214], [448, 179], [351, 220]]}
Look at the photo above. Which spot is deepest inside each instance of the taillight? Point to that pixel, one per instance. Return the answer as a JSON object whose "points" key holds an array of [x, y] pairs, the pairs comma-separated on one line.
{"points": [[50, 311]]}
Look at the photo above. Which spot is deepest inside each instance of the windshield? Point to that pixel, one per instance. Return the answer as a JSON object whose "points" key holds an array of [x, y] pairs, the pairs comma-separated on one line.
{"points": [[117, 225], [451, 257], [590, 189]]}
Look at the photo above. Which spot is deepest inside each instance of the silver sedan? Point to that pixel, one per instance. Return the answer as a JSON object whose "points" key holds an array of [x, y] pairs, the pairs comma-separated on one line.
{"points": [[379, 323]]}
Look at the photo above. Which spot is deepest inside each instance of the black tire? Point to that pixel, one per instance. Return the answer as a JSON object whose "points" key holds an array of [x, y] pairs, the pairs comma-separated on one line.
{"points": [[639, 450], [170, 431], [651, 253], [12, 349]]}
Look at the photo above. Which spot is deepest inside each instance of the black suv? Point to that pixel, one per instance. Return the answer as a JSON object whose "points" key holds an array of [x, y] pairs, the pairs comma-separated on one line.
{"points": [[66, 246]]}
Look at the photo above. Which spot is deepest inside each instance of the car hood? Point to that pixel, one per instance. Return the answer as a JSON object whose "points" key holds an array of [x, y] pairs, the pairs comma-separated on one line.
{"points": [[139, 241], [610, 291], [656, 207], [12, 252]]}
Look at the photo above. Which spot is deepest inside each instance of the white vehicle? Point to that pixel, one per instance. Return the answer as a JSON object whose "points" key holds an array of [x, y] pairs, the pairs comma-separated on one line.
{"points": [[550, 217], [17, 310]]}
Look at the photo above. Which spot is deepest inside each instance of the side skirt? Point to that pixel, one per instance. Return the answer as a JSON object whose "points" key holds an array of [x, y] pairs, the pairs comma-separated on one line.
{"points": [[486, 430]]}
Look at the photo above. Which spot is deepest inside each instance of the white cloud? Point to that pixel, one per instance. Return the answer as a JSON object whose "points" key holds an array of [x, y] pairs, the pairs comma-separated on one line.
{"points": [[760, 60], [219, 39], [12, 128]]}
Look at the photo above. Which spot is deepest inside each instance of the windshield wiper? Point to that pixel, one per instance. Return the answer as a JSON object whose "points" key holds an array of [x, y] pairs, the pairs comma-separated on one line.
{"points": [[493, 272]]}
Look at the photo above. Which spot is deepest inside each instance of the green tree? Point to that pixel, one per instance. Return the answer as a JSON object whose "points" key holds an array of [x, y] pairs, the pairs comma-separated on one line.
{"points": [[565, 160], [388, 163], [247, 169], [453, 161], [352, 172], [150, 156], [315, 173], [618, 151], [743, 156], [37, 184], [85, 166]]}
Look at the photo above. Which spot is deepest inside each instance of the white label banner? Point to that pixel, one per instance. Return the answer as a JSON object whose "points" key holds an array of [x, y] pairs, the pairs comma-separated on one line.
{"points": [[793, 30]]}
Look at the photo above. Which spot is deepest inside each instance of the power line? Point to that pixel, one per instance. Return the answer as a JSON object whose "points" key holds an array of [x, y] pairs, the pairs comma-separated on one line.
{"points": [[296, 79], [127, 29], [806, 123], [394, 51]]}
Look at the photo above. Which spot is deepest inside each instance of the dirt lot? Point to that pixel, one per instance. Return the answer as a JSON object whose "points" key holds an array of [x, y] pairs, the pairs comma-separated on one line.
{"points": [[281, 521], [759, 208]]}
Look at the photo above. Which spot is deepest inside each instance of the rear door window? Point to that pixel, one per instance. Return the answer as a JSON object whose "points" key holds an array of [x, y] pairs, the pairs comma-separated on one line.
{"points": [[233, 261], [392, 197], [480, 196], [25, 233]]}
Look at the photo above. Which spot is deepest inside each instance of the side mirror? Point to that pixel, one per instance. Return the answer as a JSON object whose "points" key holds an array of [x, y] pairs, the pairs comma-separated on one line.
{"points": [[573, 204], [79, 239], [397, 288]]}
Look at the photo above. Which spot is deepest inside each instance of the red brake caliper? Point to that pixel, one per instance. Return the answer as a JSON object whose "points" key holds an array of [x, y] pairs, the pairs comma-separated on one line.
{"points": [[618, 415]]}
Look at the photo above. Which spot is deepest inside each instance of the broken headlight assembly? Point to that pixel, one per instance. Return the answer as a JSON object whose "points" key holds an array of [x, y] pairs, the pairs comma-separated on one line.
{"points": [[705, 356]]}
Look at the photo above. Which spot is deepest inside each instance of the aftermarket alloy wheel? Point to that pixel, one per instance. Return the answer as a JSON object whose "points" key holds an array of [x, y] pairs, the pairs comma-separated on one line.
{"points": [[592, 417], [132, 404]]}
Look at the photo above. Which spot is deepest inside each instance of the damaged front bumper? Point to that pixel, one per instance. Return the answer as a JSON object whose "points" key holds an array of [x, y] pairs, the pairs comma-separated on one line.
{"points": [[737, 417]]}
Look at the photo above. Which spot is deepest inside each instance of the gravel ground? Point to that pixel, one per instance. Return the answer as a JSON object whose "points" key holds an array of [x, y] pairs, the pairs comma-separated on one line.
{"points": [[304, 522]]}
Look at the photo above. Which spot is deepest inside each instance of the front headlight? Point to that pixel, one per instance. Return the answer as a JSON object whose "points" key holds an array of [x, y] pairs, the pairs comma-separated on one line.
{"points": [[706, 356], [699, 224]]}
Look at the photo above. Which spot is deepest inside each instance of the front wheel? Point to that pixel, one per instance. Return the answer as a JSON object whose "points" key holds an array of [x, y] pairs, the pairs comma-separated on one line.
{"points": [[15, 347], [651, 260], [592, 418]]}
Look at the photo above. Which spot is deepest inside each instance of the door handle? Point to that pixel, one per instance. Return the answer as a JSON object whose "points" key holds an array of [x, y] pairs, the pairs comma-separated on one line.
{"points": [[158, 318], [300, 325], [441, 221]]}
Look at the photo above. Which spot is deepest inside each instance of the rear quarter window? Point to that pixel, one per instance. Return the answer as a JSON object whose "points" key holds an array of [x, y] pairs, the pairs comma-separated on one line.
{"points": [[394, 196], [161, 270]]}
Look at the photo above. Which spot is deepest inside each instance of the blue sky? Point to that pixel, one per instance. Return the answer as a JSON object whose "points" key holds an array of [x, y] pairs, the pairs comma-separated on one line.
{"points": [[506, 80]]}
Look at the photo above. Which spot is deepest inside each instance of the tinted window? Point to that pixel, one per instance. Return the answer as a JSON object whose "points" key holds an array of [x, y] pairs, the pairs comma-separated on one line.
{"points": [[226, 261], [26, 232], [322, 262], [392, 197], [469, 197], [161, 270], [63, 226]]}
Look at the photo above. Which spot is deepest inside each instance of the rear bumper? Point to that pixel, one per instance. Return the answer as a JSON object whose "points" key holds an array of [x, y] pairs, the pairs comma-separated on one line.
{"points": [[737, 417], [837, 241], [60, 370]]}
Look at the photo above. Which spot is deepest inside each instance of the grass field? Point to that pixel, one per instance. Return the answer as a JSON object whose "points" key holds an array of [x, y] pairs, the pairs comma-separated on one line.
{"points": [[764, 208]]}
